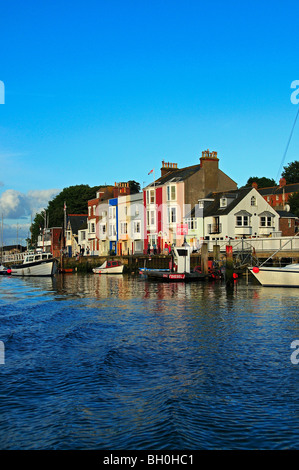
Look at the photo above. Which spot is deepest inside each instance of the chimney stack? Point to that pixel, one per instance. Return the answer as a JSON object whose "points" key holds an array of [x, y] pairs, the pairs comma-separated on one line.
{"points": [[167, 167], [206, 155]]}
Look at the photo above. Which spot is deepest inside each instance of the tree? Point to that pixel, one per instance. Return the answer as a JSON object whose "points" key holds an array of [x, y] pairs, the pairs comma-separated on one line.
{"points": [[293, 202], [262, 182], [75, 197], [291, 172], [134, 187]]}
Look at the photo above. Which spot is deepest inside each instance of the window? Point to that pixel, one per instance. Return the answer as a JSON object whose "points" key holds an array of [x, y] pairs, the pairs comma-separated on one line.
{"points": [[242, 220], [137, 226], [92, 227], [192, 224], [152, 239], [150, 196], [123, 228], [112, 212], [172, 215], [253, 201], [171, 193], [152, 218], [266, 221], [94, 209], [223, 202], [112, 230], [89, 211]]}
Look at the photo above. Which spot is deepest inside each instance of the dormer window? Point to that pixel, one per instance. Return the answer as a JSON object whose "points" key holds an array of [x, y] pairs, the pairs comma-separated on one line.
{"points": [[223, 202]]}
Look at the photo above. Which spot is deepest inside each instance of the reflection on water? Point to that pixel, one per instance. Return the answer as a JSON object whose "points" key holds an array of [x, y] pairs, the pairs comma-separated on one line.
{"points": [[117, 362]]}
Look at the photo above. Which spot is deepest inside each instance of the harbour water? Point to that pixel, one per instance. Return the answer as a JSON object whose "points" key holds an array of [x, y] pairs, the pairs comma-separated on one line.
{"points": [[116, 362]]}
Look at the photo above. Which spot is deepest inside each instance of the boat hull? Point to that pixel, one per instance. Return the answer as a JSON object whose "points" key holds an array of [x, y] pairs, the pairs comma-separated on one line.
{"points": [[115, 270], [276, 277], [175, 277], [43, 268]]}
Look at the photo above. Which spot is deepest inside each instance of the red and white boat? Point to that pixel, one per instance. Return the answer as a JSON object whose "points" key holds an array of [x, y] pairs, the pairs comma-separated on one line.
{"points": [[110, 267]]}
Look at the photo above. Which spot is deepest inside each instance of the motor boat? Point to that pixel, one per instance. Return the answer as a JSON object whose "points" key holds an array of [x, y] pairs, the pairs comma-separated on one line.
{"points": [[272, 276], [179, 269], [36, 264], [109, 267]]}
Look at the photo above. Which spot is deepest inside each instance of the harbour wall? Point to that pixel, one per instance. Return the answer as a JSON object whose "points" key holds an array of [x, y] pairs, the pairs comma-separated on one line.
{"points": [[133, 263]]}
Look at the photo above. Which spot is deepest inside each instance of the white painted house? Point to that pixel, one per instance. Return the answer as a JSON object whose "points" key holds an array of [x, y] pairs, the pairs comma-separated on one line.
{"points": [[240, 213], [130, 224]]}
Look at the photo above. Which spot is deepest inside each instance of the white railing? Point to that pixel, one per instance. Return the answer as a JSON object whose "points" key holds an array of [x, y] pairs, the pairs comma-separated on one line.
{"points": [[13, 258], [269, 244]]}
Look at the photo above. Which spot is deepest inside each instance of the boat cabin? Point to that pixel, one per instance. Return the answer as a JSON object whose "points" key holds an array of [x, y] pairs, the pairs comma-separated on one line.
{"points": [[181, 258], [31, 257], [113, 264]]}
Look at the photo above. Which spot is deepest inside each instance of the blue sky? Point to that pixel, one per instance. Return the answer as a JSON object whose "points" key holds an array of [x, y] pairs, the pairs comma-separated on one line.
{"points": [[103, 91]]}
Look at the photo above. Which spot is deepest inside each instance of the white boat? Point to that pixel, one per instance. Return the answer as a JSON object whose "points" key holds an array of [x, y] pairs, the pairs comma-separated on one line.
{"points": [[36, 264], [287, 276], [180, 269], [110, 267]]}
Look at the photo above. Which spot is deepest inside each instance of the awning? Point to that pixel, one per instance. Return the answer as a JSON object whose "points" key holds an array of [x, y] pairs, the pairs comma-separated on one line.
{"points": [[266, 214], [243, 212]]}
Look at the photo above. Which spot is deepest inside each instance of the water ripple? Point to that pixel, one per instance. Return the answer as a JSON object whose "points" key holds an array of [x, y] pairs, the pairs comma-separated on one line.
{"points": [[119, 363]]}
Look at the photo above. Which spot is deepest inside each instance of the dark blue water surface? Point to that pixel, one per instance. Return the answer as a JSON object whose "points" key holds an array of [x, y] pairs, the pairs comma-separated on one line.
{"points": [[116, 362]]}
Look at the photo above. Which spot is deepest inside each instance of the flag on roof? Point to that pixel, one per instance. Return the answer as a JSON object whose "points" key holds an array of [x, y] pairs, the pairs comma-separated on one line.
{"points": [[151, 171]]}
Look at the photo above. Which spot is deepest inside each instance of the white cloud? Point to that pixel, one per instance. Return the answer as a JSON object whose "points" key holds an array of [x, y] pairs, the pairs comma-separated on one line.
{"points": [[16, 205]]}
